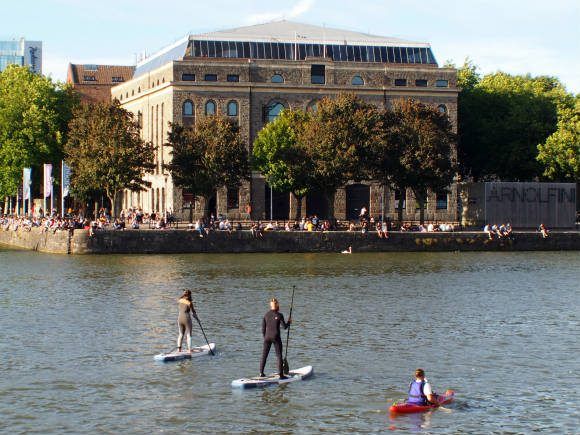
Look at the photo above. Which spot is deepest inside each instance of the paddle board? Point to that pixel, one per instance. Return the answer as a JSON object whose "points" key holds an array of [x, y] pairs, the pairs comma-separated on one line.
{"points": [[257, 382], [176, 356], [410, 408]]}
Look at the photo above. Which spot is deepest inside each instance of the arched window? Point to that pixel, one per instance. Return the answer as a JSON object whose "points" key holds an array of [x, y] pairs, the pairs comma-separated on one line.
{"points": [[132, 92], [277, 78], [139, 90], [312, 106], [273, 110], [232, 108], [442, 108], [187, 108], [210, 108], [357, 81]]}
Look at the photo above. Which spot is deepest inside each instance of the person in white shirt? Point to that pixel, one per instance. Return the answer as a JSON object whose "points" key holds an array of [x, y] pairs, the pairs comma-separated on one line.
{"points": [[420, 391]]}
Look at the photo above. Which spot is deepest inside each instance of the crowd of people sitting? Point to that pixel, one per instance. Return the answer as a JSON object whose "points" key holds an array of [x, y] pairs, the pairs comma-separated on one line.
{"points": [[494, 231]]}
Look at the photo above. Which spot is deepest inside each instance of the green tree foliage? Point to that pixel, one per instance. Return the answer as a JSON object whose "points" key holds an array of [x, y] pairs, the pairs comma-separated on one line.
{"points": [[337, 135], [283, 160], [502, 119], [34, 113], [414, 151], [207, 157], [560, 154], [106, 153]]}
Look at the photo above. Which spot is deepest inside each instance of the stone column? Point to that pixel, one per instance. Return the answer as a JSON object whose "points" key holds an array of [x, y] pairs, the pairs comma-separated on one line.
{"points": [[375, 206], [258, 200], [222, 201], [294, 205], [340, 204]]}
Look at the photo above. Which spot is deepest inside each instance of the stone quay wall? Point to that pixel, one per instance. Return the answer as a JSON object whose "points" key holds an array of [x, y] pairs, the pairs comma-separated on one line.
{"points": [[183, 241]]}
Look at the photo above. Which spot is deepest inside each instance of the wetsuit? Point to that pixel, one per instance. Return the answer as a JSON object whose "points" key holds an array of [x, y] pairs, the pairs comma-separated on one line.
{"points": [[184, 322], [271, 333]]}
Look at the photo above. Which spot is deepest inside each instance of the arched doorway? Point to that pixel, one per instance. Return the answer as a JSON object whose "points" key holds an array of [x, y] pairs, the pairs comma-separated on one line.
{"points": [[357, 197], [212, 206], [316, 204], [280, 204]]}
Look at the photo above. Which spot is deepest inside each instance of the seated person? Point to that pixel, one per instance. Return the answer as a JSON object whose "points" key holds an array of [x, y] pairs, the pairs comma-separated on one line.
{"points": [[420, 392]]}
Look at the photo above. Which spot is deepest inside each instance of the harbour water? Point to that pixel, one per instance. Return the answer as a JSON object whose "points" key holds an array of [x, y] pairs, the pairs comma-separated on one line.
{"points": [[78, 335]]}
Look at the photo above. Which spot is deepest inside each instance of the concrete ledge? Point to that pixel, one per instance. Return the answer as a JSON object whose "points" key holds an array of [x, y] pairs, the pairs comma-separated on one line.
{"points": [[182, 241]]}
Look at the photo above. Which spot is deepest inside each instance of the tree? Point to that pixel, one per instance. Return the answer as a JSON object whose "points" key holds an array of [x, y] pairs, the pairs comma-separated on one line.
{"points": [[415, 151], [337, 135], [34, 113], [106, 153], [282, 158], [502, 118], [208, 156], [560, 154]]}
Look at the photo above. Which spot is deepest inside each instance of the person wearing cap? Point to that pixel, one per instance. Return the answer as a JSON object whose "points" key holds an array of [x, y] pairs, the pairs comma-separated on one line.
{"points": [[420, 392], [271, 333]]}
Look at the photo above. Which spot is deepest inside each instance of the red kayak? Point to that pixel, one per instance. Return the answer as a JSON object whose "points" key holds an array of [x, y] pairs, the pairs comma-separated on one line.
{"points": [[409, 408]]}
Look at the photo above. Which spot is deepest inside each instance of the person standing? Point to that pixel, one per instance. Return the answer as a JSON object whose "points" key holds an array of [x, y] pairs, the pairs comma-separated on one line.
{"points": [[184, 322], [271, 334]]}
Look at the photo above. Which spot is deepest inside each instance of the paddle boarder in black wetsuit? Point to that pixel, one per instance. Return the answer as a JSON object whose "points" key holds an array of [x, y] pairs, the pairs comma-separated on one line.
{"points": [[271, 333]]}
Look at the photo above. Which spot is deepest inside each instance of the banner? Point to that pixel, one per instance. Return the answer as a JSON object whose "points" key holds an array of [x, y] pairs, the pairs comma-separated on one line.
{"points": [[26, 180], [65, 180], [47, 180]]}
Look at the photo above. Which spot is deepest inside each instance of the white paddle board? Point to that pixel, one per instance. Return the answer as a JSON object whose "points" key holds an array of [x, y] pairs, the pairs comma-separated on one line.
{"points": [[176, 356], [257, 382]]}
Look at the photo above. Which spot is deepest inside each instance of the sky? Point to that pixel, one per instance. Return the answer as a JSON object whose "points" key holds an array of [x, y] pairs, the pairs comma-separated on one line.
{"points": [[515, 36]]}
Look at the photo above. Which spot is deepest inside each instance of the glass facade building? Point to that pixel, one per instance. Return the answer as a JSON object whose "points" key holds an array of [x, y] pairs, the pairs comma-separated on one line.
{"points": [[300, 51], [21, 52]]}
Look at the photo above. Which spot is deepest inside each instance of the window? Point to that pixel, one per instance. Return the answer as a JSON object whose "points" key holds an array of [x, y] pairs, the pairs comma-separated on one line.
{"points": [[400, 196], [187, 113], [317, 74], [140, 119], [272, 111], [188, 108], [157, 82], [139, 90], [132, 92], [442, 108], [312, 106], [89, 78], [232, 108], [187, 77], [357, 81], [277, 78], [400, 82], [421, 82], [233, 78], [210, 108], [441, 201], [233, 198], [91, 67], [126, 94], [210, 78], [117, 79], [442, 83]]}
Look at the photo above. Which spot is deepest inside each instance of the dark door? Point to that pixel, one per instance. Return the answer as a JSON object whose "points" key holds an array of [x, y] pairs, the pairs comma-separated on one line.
{"points": [[280, 204], [316, 204], [357, 197]]}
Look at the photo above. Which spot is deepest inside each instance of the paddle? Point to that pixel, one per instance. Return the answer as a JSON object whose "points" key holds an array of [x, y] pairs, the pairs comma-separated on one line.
{"points": [[285, 365], [203, 332]]}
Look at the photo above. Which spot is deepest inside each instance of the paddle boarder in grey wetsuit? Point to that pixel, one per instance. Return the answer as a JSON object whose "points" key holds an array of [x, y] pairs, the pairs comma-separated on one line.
{"points": [[186, 312], [271, 333]]}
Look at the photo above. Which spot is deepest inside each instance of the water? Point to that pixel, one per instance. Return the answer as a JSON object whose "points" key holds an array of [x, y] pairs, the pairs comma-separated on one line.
{"points": [[77, 337]]}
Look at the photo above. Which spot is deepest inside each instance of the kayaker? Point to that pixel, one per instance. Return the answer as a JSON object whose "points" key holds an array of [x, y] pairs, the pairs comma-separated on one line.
{"points": [[184, 322], [420, 392], [271, 333]]}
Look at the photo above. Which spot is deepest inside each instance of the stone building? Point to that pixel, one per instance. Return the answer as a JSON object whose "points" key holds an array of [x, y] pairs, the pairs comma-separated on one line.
{"points": [[94, 82], [251, 74]]}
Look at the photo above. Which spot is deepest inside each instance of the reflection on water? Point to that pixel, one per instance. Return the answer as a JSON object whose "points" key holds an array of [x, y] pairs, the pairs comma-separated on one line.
{"points": [[78, 334]]}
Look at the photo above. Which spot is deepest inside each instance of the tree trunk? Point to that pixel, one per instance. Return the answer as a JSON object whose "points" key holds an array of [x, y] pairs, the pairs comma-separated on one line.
{"points": [[113, 197], [400, 207], [421, 198], [329, 196], [298, 215]]}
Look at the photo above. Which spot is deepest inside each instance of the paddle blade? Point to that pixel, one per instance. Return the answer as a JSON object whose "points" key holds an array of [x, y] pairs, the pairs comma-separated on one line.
{"points": [[285, 366]]}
